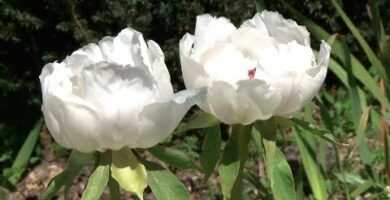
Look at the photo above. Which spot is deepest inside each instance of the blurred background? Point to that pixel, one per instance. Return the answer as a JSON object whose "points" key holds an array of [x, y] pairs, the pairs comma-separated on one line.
{"points": [[354, 98]]}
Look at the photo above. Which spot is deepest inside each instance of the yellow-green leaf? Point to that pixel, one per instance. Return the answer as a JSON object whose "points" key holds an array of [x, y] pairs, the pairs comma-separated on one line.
{"points": [[128, 172]]}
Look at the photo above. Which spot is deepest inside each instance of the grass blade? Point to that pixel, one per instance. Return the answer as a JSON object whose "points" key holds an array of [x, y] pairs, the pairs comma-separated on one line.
{"points": [[366, 48], [313, 173], [24, 153]]}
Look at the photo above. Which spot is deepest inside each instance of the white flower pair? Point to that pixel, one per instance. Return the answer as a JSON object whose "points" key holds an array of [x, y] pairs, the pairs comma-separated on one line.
{"points": [[118, 92]]}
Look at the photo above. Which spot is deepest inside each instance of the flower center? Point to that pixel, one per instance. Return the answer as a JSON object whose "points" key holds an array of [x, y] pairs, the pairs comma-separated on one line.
{"points": [[252, 73]]}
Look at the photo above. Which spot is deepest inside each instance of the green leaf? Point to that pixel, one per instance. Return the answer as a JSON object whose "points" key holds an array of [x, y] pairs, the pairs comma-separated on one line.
{"points": [[313, 173], [24, 154], [98, 179], [350, 178], [201, 120], [77, 161], [310, 128], [379, 29], [278, 170], [211, 150], [4, 182], [114, 189], [233, 160], [358, 69], [173, 157], [164, 184], [261, 187], [128, 172], [352, 85], [366, 48], [361, 188], [365, 155]]}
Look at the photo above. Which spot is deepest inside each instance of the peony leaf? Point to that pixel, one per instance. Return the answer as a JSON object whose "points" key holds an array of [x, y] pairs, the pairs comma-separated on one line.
{"points": [[211, 150], [233, 160], [76, 161], [98, 179], [278, 170], [173, 157], [164, 184], [200, 120], [128, 172]]}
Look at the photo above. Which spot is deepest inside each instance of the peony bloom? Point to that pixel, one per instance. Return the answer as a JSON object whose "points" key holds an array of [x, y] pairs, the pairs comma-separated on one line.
{"points": [[261, 69], [112, 94]]}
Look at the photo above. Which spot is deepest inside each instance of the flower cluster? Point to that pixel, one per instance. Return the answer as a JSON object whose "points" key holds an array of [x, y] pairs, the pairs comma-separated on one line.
{"points": [[118, 92]]}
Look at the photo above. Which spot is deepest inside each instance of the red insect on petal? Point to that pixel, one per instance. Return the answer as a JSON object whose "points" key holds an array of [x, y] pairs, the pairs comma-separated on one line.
{"points": [[252, 73]]}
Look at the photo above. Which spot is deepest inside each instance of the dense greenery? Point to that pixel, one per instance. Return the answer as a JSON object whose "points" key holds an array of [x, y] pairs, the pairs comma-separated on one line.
{"points": [[33, 33]]}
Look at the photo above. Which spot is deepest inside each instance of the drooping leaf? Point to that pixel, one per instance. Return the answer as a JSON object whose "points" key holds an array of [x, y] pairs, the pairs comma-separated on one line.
{"points": [[128, 172], [173, 157], [278, 170], [200, 120], [211, 150], [98, 179], [76, 162], [233, 160], [164, 184]]}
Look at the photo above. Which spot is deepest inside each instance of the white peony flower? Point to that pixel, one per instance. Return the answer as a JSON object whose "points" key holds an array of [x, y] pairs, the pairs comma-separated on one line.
{"points": [[113, 94], [264, 68]]}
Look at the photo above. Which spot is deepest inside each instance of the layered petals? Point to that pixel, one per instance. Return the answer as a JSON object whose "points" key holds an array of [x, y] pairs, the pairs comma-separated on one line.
{"points": [[112, 94], [264, 68]]}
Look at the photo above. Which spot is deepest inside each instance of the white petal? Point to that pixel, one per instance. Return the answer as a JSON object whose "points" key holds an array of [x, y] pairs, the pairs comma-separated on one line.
{"points": [[194, 74], [120, 93], [283, 30], [238, 106], [72, 122], [107, 79], [286, 60], [264, 97], [91, 51], [159, 70], [226, 63], [257, 23], [306, 84], [208, 31], [128, 48], [158, 120], [253, 44]]}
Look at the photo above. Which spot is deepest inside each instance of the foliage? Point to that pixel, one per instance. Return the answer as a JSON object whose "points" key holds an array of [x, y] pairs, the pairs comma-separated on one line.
{"points": [[353, 105]]}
